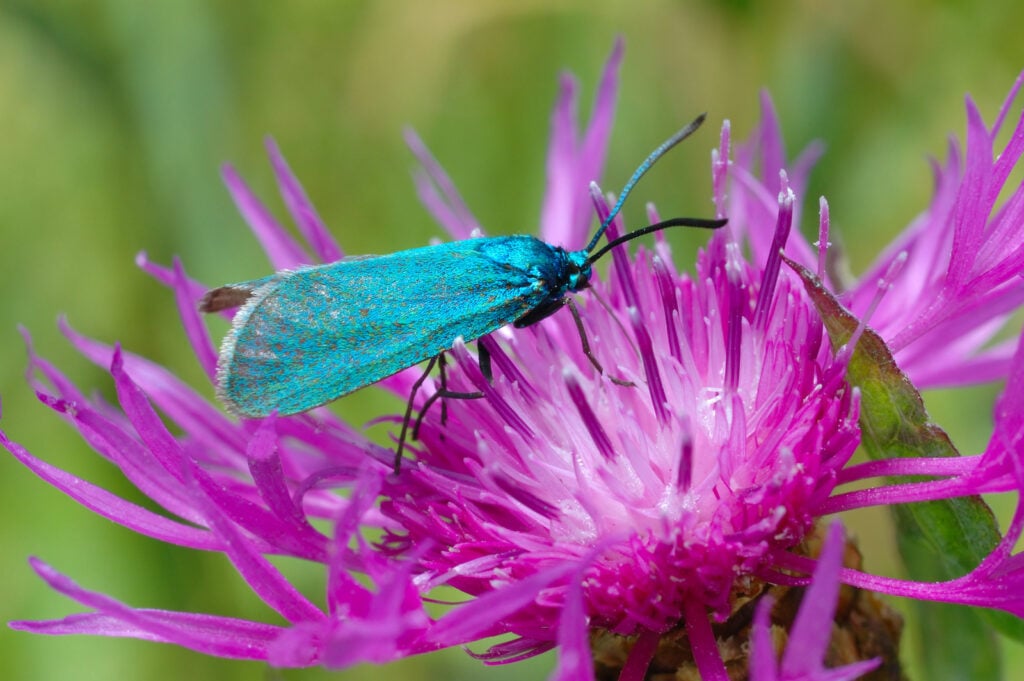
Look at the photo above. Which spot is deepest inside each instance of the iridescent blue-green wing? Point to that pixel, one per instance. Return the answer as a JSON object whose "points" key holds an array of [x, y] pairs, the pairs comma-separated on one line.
{"points": [[307, 336]]}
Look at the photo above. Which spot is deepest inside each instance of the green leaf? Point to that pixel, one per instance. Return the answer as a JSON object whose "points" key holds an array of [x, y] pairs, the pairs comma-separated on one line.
{"points": [[954, 641], [938, 540]]}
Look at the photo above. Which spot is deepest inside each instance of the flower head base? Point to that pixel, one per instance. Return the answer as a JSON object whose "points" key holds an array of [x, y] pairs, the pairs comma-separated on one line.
{"points": [[562, 502]]}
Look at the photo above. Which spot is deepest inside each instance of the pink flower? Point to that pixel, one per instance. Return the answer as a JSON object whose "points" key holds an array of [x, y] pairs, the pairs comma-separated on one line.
{"points": [[563, 503]]}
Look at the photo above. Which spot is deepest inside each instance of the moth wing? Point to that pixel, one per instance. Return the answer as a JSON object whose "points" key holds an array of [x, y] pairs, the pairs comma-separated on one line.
{"points": [[236, 295], [311, 335]]}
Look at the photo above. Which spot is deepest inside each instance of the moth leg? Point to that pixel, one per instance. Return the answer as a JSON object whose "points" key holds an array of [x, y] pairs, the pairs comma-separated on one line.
{"points": [[442, 367], [408, 414], [484, 357], [614, 317], [441, 395], [586, 345]]}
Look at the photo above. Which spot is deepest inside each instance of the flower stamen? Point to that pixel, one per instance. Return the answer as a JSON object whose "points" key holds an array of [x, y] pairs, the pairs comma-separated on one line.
{"points": [[771, 269]]}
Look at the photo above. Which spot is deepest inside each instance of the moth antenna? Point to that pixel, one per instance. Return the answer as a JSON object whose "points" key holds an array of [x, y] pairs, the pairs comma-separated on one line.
{"points": [[641, 170], [656, 227]]}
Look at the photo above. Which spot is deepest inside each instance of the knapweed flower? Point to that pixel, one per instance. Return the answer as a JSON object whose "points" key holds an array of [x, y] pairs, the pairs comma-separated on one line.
{"points": [[632, 528]]}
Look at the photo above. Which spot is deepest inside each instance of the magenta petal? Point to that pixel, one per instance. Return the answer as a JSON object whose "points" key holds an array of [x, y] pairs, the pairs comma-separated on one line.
{"points": [[991, 365], [998, 466], [575, 661], [770, 143], [812, 629], [1004, 110], [438, 193], [260, 522], [284, 252], [702, 641], [112, 507], [119, 447], [720, 161], [390, 628], [478, 617], [762, 652], [752, 204], [204, 633], [1009, 412], [195, 330], [640, 657], [557, 212], [370, 626], [799, 169], [183, 405], [207, 634], [345, 594], [768, 148], [264, 579], [1005, 163], [967, 232], [301, 208], [187, 293], [594, 145], [268, 475], [191, 289], [573, 163], [53, 377], [147, 424]]}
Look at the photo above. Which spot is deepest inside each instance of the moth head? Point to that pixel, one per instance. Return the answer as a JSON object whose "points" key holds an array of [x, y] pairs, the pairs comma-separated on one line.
{"points": [[578, 270]]}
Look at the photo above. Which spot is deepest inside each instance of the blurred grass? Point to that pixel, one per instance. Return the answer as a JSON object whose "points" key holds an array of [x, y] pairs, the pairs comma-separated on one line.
{"points": [[117, 115]]}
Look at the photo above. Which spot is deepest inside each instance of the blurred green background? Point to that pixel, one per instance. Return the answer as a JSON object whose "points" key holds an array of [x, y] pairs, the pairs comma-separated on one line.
{"points": [[117, 115]]}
